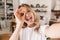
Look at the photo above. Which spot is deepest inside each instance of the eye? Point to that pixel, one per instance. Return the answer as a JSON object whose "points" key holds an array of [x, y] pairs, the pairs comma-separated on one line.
{"points": [[21, 14], [28, 11]]}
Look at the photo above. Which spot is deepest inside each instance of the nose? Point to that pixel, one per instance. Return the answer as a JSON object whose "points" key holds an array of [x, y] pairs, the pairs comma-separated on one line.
{"points": [[27, 15]]}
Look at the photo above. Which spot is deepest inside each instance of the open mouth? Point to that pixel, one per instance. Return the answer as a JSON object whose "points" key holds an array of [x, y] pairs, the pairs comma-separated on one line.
{"points": [[29, 19]]}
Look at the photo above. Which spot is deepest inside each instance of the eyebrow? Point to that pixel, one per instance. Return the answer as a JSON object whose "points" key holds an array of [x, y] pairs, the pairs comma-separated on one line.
{"points": [[20, 9]]}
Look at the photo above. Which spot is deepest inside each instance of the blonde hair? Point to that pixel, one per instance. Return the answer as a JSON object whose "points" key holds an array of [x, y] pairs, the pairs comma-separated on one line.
{"points": [[36, 17]]}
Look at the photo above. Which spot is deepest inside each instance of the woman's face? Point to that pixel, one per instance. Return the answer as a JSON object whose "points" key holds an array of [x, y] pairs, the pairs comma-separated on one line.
{"points": [[29, 17]]}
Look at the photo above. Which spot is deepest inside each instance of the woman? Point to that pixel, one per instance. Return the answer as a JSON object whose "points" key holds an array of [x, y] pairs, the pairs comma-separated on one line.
{"points": [[28, 25]]}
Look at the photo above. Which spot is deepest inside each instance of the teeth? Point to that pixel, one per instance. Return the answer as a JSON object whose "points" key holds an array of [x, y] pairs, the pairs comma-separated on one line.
{"points": [[29, 18]]}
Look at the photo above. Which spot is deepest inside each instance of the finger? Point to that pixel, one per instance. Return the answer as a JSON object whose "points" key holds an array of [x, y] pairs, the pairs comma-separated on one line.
{"points": [[16, 12]]}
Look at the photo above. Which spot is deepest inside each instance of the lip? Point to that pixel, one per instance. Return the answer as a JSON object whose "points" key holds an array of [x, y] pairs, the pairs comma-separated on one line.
{"points": [[29, 19]]}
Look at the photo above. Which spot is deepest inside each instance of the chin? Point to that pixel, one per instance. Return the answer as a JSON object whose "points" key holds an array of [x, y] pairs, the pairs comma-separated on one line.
{"points": [[30, 22]]}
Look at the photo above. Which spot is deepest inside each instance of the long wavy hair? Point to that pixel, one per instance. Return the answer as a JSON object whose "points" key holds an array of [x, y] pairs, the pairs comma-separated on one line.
{"points": [[36, 23]]}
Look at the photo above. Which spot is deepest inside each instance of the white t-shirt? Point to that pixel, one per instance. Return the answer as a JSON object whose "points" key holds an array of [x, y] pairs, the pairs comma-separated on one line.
{"points": [[30, 34]]}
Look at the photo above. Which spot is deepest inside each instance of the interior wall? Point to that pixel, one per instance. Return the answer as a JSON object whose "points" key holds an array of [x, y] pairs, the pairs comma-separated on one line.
{"points": [[15, 4], [34, 2]]}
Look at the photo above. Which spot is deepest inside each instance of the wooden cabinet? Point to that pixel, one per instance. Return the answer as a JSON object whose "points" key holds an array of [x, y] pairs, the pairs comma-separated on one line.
{"points": [[5, 36]]}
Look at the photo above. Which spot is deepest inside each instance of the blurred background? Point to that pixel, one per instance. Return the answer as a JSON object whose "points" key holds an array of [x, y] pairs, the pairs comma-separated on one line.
{"points": [[48, 10]]}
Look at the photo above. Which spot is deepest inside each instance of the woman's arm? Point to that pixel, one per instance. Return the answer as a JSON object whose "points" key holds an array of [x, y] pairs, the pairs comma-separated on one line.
{"points": [[19, 24], [15, 35]]}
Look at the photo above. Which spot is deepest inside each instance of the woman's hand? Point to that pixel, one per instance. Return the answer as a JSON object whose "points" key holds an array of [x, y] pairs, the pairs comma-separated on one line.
{"points": [[19, 18], [19, 24], [19, 15]]}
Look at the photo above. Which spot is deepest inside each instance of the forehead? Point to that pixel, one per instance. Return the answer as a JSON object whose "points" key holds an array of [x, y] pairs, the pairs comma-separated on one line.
{"points": [[30, 12], [23, 8]]}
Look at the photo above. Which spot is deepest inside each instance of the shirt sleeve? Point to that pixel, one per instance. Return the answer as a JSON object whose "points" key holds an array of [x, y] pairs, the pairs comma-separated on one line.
{"points": [[42, 31], [42, 28]]}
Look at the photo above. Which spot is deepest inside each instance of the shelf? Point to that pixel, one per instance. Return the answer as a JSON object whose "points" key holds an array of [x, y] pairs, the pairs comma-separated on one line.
{"points": [[0, 3], [40, 9], [55, 10]]}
